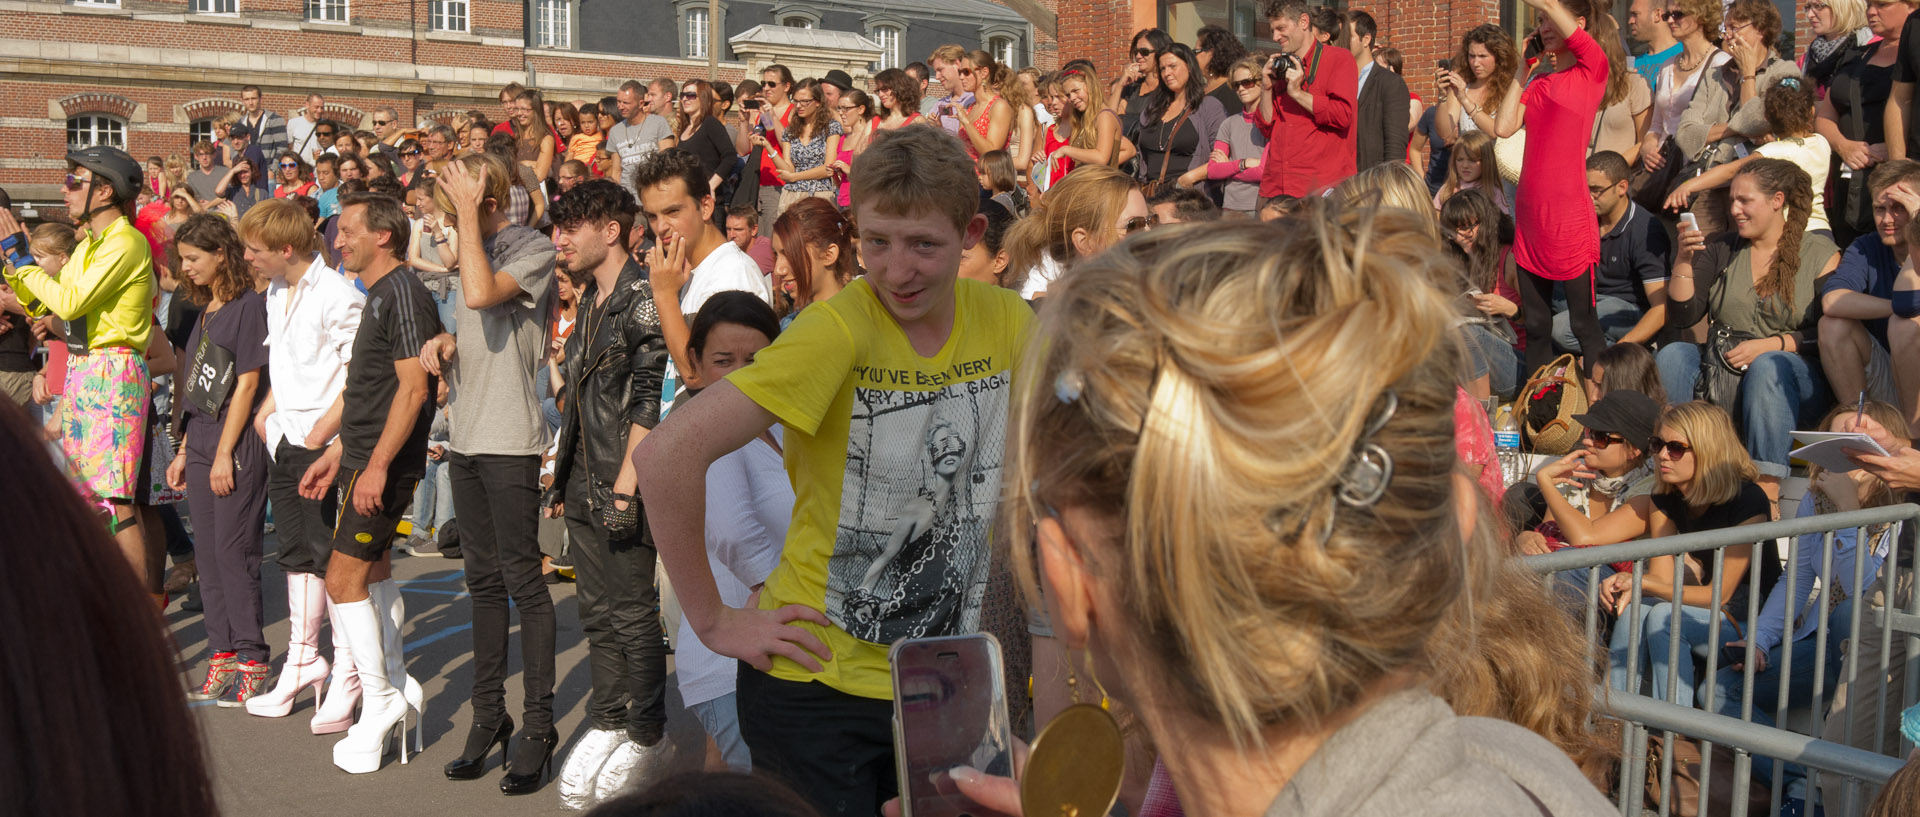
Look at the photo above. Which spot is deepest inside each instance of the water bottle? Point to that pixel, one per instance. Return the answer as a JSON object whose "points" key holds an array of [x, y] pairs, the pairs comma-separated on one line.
{"points": [[1506, 444]]}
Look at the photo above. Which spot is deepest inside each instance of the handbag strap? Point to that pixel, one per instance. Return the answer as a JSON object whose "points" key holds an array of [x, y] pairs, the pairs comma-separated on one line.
{"points": [[1166, 150]]}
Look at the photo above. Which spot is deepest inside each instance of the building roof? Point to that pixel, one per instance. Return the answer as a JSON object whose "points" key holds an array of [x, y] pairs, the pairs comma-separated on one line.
{"points": [[971, 8], [769, 34]]}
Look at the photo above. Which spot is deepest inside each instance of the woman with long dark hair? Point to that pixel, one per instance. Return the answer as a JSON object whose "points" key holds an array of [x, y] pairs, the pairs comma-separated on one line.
{"points": [[701, 133], [813, 253], [1175, 133], [1217, 51], [222, 463]]}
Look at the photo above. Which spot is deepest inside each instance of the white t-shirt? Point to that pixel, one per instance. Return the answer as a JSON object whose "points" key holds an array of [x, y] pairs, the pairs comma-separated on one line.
{"points": [[726, 268], [1038, 280], [298, 129], [749, 503], [1811, 154]]}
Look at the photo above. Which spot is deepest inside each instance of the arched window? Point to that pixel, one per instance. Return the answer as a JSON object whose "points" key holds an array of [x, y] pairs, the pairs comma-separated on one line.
{"points": [[888, 38], [91, 129], [1003, 49], [797, 22]]}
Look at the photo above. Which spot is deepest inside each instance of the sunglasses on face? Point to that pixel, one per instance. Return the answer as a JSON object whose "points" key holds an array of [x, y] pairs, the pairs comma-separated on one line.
{"points": [[76, 182], [1601, 439], [288, 166], [1673, 16], [689, 94], [325, 134], [382, 121], [404, 153], [1817, 7], [1134, 225], [1671, 449], [1143, 52], [966, 72], [1244, 84]]}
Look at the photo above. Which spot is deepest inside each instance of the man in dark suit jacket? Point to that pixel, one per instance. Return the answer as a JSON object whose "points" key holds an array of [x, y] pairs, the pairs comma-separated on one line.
{"points": [[1380, 129]]}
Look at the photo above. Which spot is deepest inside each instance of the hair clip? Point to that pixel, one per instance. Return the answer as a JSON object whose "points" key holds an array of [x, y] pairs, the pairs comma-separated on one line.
{"points": [[1068, 385], [1365, 478], [1789, 82]]}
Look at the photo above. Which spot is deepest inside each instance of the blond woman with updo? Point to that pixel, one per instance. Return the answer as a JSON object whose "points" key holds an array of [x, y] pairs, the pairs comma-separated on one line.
{"points": [[1231, 464]]}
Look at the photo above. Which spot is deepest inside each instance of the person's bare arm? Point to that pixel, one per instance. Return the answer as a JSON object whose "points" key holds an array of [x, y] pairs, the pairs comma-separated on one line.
{"points": [[1652, 320], [672, 462], [1899, 108]]}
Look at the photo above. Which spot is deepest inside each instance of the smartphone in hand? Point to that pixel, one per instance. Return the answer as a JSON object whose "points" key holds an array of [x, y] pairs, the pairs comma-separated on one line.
{"points": [[949, 709]]}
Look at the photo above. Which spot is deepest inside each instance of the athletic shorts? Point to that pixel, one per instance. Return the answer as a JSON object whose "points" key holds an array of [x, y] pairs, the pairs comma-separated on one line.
{"points": [[367, 537]]}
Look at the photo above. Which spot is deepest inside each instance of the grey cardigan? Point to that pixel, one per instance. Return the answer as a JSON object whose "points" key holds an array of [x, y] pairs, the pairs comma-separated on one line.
{"points": [[1410, 754], [1206, 121], [1712, 100]]}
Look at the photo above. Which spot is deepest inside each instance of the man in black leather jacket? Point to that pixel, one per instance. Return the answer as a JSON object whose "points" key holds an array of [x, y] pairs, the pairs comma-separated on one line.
{"points": [[616, 359]]}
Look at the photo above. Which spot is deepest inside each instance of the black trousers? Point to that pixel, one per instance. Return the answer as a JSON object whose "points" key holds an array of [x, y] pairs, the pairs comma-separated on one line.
{"points": [[619, 612], [498, 500], [1536, 306], [835, 749], [305, 526], [228, 539]]}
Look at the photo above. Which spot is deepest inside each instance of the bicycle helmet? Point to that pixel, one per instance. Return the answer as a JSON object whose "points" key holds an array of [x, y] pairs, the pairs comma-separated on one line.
{"points": [[113, 166]]}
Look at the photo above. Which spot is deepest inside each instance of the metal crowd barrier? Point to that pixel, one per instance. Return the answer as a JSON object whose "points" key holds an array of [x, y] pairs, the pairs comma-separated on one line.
{"points": [[1885, 609]]}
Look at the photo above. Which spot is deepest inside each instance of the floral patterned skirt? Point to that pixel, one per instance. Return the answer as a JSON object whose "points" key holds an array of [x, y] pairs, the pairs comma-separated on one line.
{"points": [[104, 423]]}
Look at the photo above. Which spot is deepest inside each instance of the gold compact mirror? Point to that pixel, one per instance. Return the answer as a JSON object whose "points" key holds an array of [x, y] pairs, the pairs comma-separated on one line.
{"points": [[1076, 765]]}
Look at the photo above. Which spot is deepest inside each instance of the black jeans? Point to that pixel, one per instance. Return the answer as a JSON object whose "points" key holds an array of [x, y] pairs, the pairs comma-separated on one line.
{"points": [[305, 526], [835, 749], [1536, 306], [498, 500], [619, 612]]}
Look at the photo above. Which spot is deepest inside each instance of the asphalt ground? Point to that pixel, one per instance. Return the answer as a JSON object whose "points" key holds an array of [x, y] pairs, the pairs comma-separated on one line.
{"points": [[278, 768]]}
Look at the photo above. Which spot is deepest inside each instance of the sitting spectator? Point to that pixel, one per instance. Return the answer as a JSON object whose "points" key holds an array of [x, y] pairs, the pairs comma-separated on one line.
{"points": [[1794, 607], [1855, 300], [1706, 482], [1727, 109], [986, 260], [1789, 116], [1480, 236], [1757, 286], [1179, 205], [1601, 494], [1473, 167], [1630, 282], [1093, 208], [1628, 366], [1391, 184]]}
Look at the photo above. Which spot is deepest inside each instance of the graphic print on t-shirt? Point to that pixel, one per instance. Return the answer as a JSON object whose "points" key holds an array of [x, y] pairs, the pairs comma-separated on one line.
{"points": [[916, 508]]}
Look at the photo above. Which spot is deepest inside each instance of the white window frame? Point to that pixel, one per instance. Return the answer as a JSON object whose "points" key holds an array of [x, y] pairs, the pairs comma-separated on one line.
{"points": [[200, 129], [111, 4], [696, 31], [213, 7], [96, 125], [1004, 49], [326, 11], [887, 36], [553, 24], [440, 16]]}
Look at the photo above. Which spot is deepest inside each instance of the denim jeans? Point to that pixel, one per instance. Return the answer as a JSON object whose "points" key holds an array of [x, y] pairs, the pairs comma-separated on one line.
{"points": [[1496, 358], [1766, 685], [433, 499], [1656, 635], [721, 718], [1618, 316], [1781, 391]]}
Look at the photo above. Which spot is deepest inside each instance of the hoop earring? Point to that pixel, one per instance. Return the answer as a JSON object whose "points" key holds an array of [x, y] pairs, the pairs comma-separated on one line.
{"points": [[1078, 760]]}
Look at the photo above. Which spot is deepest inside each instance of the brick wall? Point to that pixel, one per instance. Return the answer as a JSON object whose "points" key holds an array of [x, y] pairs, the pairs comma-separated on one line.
{"points": [[1096, 30]]}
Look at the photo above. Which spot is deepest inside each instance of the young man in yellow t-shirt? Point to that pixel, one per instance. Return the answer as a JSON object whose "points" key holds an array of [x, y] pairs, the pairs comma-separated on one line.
{"points": [[894, 399]]}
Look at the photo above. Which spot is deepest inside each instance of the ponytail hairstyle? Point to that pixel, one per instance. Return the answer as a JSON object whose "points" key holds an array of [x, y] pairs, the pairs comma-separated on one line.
{"points": [[1779, 176], [1789, 108], [991, 73], [1090, 198], [814, 223], [1163, 377]]}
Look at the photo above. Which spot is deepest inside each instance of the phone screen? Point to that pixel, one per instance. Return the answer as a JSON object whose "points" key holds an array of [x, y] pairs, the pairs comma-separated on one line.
{"points": [[950, 709]]}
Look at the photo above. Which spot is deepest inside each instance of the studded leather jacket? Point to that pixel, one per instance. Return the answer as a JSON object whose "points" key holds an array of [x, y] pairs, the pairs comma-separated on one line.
{"points": [[616, 360]]}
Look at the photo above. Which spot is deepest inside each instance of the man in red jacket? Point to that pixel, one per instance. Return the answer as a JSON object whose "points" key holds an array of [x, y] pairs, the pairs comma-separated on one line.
{"points": [[1309, 119]]}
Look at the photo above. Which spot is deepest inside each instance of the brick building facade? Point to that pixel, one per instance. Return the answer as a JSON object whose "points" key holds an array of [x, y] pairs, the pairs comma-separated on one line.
{"points": [[152, 75]]}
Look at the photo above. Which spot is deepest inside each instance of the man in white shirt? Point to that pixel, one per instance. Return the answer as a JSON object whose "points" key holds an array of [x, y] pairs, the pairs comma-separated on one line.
{"points": [[301, 134], [692, 259], [638, 133], [313, 316]]}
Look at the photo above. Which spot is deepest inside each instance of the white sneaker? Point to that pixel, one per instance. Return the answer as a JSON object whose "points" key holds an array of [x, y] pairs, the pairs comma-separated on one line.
{"points": [[583, 765], [632, 767]]}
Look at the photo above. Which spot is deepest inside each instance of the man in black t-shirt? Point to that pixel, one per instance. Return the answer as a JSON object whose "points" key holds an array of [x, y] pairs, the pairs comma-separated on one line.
{"points": [[385, 414], [1899, 113]]}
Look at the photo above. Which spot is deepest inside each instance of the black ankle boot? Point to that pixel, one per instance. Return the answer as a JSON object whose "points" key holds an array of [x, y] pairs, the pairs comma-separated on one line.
{"points": [[531, 759], [472, 762]]}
